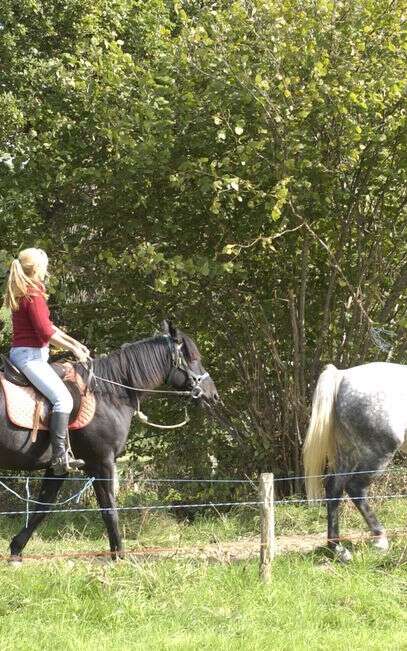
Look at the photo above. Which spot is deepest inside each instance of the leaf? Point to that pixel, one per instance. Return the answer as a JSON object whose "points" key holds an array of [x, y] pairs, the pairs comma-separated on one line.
{"points": [[229, 249], [8, 161], [276, 213], [261, 83]]}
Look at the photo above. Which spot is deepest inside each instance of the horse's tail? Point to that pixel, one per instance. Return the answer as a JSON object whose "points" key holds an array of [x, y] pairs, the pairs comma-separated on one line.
{"points": [[319, 444]]}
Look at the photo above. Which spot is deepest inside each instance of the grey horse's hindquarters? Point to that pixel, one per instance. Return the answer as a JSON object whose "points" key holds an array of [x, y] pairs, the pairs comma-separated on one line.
{"points": [[371, 414], [404, 446], [358, 421]]}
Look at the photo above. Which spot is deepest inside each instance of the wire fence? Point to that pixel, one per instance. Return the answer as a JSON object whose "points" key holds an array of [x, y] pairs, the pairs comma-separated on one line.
{"points": [[89, 481], [210, 480], [189, 505], [72, 504]]}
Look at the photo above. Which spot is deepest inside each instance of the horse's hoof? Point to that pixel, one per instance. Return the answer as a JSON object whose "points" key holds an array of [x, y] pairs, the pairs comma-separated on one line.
{"points": [[117, 556], [15, 561], [381, 543], [342, 554]]}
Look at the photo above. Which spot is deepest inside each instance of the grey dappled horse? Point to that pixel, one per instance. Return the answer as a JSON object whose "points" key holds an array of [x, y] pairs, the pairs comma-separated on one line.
{"points": [[172, 358], [358, 422]]}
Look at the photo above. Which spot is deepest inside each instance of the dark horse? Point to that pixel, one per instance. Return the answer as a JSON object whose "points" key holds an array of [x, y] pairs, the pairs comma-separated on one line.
{"points": [[171, 358], [358, 422]]}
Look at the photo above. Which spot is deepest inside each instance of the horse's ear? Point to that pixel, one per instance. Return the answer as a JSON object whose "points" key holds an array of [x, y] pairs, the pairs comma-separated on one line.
{"points": [[168, 328], [165, 327], [174, 332]]}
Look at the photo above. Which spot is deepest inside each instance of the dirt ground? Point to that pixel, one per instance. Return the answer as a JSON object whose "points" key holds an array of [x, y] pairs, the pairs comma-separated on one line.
{"points": [[247, 548], [221, 552], [240, 549]]}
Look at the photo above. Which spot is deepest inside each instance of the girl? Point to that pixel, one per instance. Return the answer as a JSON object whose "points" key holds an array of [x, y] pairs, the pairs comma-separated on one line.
{"points": [[33, 331]]}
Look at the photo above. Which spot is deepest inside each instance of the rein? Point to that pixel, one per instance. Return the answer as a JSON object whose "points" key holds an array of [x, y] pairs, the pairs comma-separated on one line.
{"points": [[143, 418], [178, 362], [125, 386]]}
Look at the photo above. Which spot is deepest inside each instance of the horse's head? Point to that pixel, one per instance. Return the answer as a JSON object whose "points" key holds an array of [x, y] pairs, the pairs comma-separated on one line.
{"points": [[187, 372]]}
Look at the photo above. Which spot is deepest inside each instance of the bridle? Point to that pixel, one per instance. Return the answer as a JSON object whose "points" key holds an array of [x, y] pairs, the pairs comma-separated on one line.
{"points": [[178, 363]]}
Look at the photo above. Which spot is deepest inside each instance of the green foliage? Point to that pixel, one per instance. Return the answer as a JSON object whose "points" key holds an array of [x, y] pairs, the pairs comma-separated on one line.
{"points": [[198, 159], [5, 328]]}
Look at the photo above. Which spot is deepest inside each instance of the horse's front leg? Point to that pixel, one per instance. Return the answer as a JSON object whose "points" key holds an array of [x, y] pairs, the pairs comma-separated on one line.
{"points": [[334, 490], [48, 494], [104, 487]]}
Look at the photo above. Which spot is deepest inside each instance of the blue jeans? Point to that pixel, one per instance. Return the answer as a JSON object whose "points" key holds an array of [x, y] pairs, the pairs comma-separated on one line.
{"points": [[33, 362]]}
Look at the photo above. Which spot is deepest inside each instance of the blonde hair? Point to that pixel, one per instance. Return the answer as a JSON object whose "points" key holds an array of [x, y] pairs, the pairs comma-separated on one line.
{"points": [[23, 276]]}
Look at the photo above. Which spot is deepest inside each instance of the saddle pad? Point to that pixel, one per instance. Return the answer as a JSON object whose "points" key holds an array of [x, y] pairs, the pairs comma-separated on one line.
{"points": [[21, 401], [88, 401]]}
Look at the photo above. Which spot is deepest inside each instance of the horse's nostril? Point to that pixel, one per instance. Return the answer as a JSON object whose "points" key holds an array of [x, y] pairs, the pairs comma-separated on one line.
{"points": [[215, 397]]}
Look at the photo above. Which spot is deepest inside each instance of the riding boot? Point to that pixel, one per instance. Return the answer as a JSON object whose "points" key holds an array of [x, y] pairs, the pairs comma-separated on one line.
{"points": [[62, 460]]}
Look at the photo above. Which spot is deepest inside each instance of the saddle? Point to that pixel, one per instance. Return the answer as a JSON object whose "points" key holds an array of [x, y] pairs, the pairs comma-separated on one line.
{"points": [[26, 407]]}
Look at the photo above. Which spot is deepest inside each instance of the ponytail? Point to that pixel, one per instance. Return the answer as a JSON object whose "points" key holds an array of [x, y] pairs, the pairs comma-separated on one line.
{"points": [[20, 279]]}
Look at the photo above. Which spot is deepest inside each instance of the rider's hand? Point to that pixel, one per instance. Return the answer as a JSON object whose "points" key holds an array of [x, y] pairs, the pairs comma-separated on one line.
{"points": [[81, 353]]}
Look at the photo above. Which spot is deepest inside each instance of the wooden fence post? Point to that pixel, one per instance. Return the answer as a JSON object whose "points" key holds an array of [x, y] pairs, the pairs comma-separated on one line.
{"points": [[267, 539]]}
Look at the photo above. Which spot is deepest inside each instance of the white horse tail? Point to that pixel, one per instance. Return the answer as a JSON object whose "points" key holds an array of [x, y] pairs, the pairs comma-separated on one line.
{"points": [[319, 445]]}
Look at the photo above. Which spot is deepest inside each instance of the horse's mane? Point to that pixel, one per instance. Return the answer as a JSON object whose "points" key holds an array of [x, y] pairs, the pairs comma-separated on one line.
{"points": [[141, 364]]}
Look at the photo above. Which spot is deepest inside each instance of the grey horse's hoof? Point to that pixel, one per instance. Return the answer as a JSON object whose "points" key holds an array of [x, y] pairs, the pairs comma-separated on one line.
{"points": [[15, 561], [342, 554], [381, 543]]}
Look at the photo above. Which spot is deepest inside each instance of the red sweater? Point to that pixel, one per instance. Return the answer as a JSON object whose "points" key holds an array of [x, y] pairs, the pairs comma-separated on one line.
{"points": [[32, 325]]}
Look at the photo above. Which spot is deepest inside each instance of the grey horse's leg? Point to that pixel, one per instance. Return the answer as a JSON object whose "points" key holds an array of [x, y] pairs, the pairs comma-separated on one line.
{"points": [[48, 493], [334, 487], [357, 490], [104, 491]]}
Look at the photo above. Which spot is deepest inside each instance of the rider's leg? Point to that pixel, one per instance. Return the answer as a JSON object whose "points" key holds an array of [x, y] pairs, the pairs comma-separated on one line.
{"points": [[62, 459], [33, 363]]}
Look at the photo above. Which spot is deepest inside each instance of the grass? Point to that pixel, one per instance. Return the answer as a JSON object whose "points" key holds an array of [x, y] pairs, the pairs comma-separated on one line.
{"points": [[189, 605], [311, 603]]}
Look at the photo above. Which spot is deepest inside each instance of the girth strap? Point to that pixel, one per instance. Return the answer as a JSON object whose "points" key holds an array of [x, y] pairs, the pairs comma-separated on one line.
{"points": [[36, 419]]}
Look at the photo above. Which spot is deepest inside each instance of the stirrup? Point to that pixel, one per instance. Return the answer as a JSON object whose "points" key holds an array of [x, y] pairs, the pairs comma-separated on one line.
{"points": [[66, 463]]}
